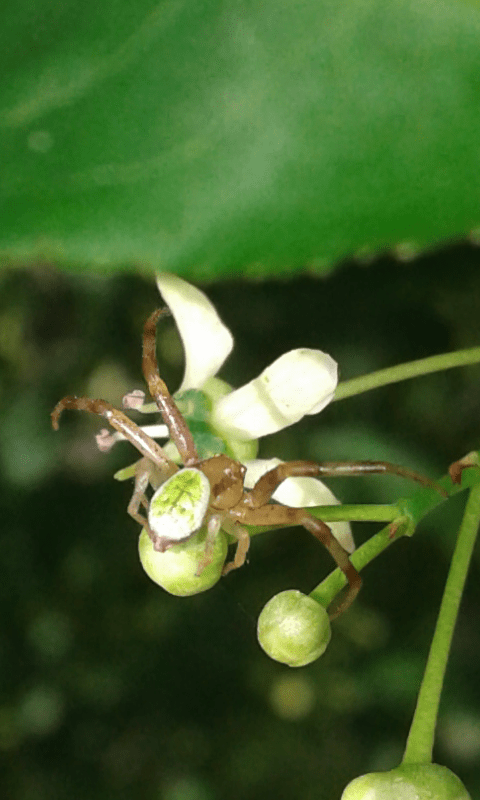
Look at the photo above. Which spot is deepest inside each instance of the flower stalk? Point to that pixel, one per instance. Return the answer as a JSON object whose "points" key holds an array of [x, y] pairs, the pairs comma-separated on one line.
{"points": [[421, 737], [404, 372]]}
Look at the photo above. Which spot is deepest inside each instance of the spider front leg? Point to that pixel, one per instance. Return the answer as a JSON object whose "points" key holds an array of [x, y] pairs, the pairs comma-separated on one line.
{"points": [[331, 469], [172, 417], [153, 468], [147, 447]]}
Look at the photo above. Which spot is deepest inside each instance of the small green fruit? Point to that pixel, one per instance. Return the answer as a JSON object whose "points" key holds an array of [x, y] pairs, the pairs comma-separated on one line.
{"points": [[408, 782], [293, 628], [174, 570]]}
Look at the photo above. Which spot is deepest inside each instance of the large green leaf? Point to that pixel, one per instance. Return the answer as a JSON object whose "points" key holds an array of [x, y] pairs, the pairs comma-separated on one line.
{"points": [[230, 137]]}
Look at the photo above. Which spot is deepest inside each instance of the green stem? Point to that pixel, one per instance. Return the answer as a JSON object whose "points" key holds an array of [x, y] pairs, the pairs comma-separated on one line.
{"points": [[339, 513], [355, 513], [403, 372], [420, 740]]}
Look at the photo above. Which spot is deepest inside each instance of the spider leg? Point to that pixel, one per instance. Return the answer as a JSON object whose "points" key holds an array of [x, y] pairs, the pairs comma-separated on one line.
{"points": [[455, 470], [348, 468], [143, 470], [323, 533], [243, 543], [146, 472], [172, 417], [240, 533], [148, 447], [266, 485], [213, 527]]}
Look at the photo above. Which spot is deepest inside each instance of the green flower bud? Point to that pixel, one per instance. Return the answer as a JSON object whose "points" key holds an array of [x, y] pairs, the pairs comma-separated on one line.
{"points": [[408, 782], [175, 569], [293, 628]]}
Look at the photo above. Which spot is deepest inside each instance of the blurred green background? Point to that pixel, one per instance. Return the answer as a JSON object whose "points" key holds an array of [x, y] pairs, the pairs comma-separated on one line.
{"points": [[110, 688]]}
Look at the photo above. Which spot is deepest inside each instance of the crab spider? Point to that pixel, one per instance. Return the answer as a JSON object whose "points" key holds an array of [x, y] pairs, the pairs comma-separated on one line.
{"points": [[210, 492]]}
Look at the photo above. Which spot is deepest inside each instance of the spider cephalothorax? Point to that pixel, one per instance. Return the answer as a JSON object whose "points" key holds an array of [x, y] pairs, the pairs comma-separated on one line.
{"points": [[210, 492]]}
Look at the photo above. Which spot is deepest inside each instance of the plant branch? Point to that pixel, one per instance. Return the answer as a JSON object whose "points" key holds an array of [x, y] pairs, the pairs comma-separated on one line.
{"points": [[403, 372], [421, 737]]}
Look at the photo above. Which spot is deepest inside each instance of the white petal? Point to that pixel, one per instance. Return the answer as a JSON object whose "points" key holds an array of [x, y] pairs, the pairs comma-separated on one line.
{"points": [[299, 382], [301, 493], [206, 340], [156, 431], [105, 440]]}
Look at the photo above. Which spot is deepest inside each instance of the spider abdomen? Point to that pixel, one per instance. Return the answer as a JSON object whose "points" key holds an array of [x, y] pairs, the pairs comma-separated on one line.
{"points": [[178, 507]]}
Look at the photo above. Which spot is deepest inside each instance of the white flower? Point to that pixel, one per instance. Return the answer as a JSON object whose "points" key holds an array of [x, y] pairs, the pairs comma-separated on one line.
{"points": [[298, 383]]}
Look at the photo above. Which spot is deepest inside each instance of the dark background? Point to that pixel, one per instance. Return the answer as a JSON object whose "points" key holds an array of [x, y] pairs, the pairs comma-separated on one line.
{"points": [[110, 688]]}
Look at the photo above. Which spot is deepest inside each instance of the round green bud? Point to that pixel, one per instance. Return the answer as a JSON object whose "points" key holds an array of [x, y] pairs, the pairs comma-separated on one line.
{"points": [[408, 782], [293, 628], [175, 569]]}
